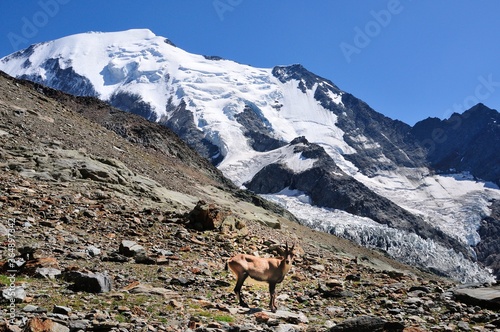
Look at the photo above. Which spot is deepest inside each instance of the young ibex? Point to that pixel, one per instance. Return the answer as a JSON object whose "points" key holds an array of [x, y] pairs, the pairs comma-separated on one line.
{"points": [[270, 270]]}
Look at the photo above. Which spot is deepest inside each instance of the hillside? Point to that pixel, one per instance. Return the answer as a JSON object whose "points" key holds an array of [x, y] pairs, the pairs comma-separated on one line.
{"points": [[73, 192], [243, 119]]}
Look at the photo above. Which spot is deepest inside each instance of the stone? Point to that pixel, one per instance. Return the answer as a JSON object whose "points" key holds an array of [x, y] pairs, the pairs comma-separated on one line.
{"points": [[88, 282], [463, 326], [36, 324], [3, 230], [142, 258], [34, 309], [93, 251], [61, 310], [318, 267], [288, 316], [360, 324], [181, 281], [28, 251], [353, 277], [79, 324], [16, 293], [130, 248], [115, 257], [47, 272], [486, 297], [334, 283], [207, 216]]}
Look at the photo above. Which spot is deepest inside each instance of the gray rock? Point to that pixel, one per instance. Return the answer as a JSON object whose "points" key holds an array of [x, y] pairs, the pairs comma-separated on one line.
{"points": [[34, 309], [115, 257], [142, 258], [3, 230], [61, 310], [360, 324], [93, 251], [28, 251], [130, 248], [291, 317], [487, 297], [89, 282], [16, 293], [288, 328], [463, 326], [47, 272], [77, 255], [79, 324]]}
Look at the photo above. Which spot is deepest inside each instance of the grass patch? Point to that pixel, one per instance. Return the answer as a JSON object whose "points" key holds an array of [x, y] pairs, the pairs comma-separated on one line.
{"points": [[216, 317], [6, 279]]}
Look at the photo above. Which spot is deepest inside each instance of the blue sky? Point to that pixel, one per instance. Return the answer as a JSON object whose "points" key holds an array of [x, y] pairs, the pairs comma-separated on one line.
{"points": [[407, 59]]}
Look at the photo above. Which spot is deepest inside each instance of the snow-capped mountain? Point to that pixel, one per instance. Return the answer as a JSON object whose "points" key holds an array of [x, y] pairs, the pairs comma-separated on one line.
{"points": [[286, 133]]}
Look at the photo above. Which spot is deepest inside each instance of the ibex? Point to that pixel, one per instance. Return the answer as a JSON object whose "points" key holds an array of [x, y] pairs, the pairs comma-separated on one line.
{"points": [[270, 270]]}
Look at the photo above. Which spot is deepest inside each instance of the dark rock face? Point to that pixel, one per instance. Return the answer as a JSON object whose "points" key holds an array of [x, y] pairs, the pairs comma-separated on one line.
{"points": [[464, 142], [66, 80], [299, 73], [181, 122], [133, 103], [257, 129], [488, 249], [391, 136], [387, 138], [328, 186]]}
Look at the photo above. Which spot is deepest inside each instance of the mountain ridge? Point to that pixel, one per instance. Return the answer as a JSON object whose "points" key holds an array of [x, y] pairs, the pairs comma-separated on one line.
{"points": [[102, 203], [240, 118]]}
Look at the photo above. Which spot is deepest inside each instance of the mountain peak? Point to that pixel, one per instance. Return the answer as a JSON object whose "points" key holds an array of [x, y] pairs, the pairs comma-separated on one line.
{"points": [[140, 33]]}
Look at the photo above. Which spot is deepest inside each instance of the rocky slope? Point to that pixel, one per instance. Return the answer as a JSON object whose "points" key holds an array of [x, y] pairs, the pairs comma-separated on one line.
{"points": [[130, 232], [242, 117]]}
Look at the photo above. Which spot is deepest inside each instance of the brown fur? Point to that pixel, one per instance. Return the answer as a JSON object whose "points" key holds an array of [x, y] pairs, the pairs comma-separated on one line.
{"points": [[270, 270]]}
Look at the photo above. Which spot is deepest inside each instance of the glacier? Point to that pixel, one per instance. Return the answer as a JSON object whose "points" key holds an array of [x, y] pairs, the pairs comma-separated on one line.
{"points": [[139, 63], [406, 247]]}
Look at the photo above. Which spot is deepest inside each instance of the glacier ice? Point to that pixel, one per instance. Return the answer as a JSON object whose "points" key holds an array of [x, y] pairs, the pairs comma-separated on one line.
{"points": [[400, 245]]}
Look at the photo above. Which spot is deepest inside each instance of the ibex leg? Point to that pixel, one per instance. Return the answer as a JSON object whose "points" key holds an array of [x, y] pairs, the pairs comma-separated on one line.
{"points": [[237, 290], [272, 300]]}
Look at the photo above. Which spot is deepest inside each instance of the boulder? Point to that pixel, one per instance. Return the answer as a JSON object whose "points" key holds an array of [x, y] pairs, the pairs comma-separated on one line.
{"points": [[486, 297], [206, 216], [88, 282], [131, 248], [209, 216], [36, 324], [16, 293], [47, 272], [360, 324]]}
